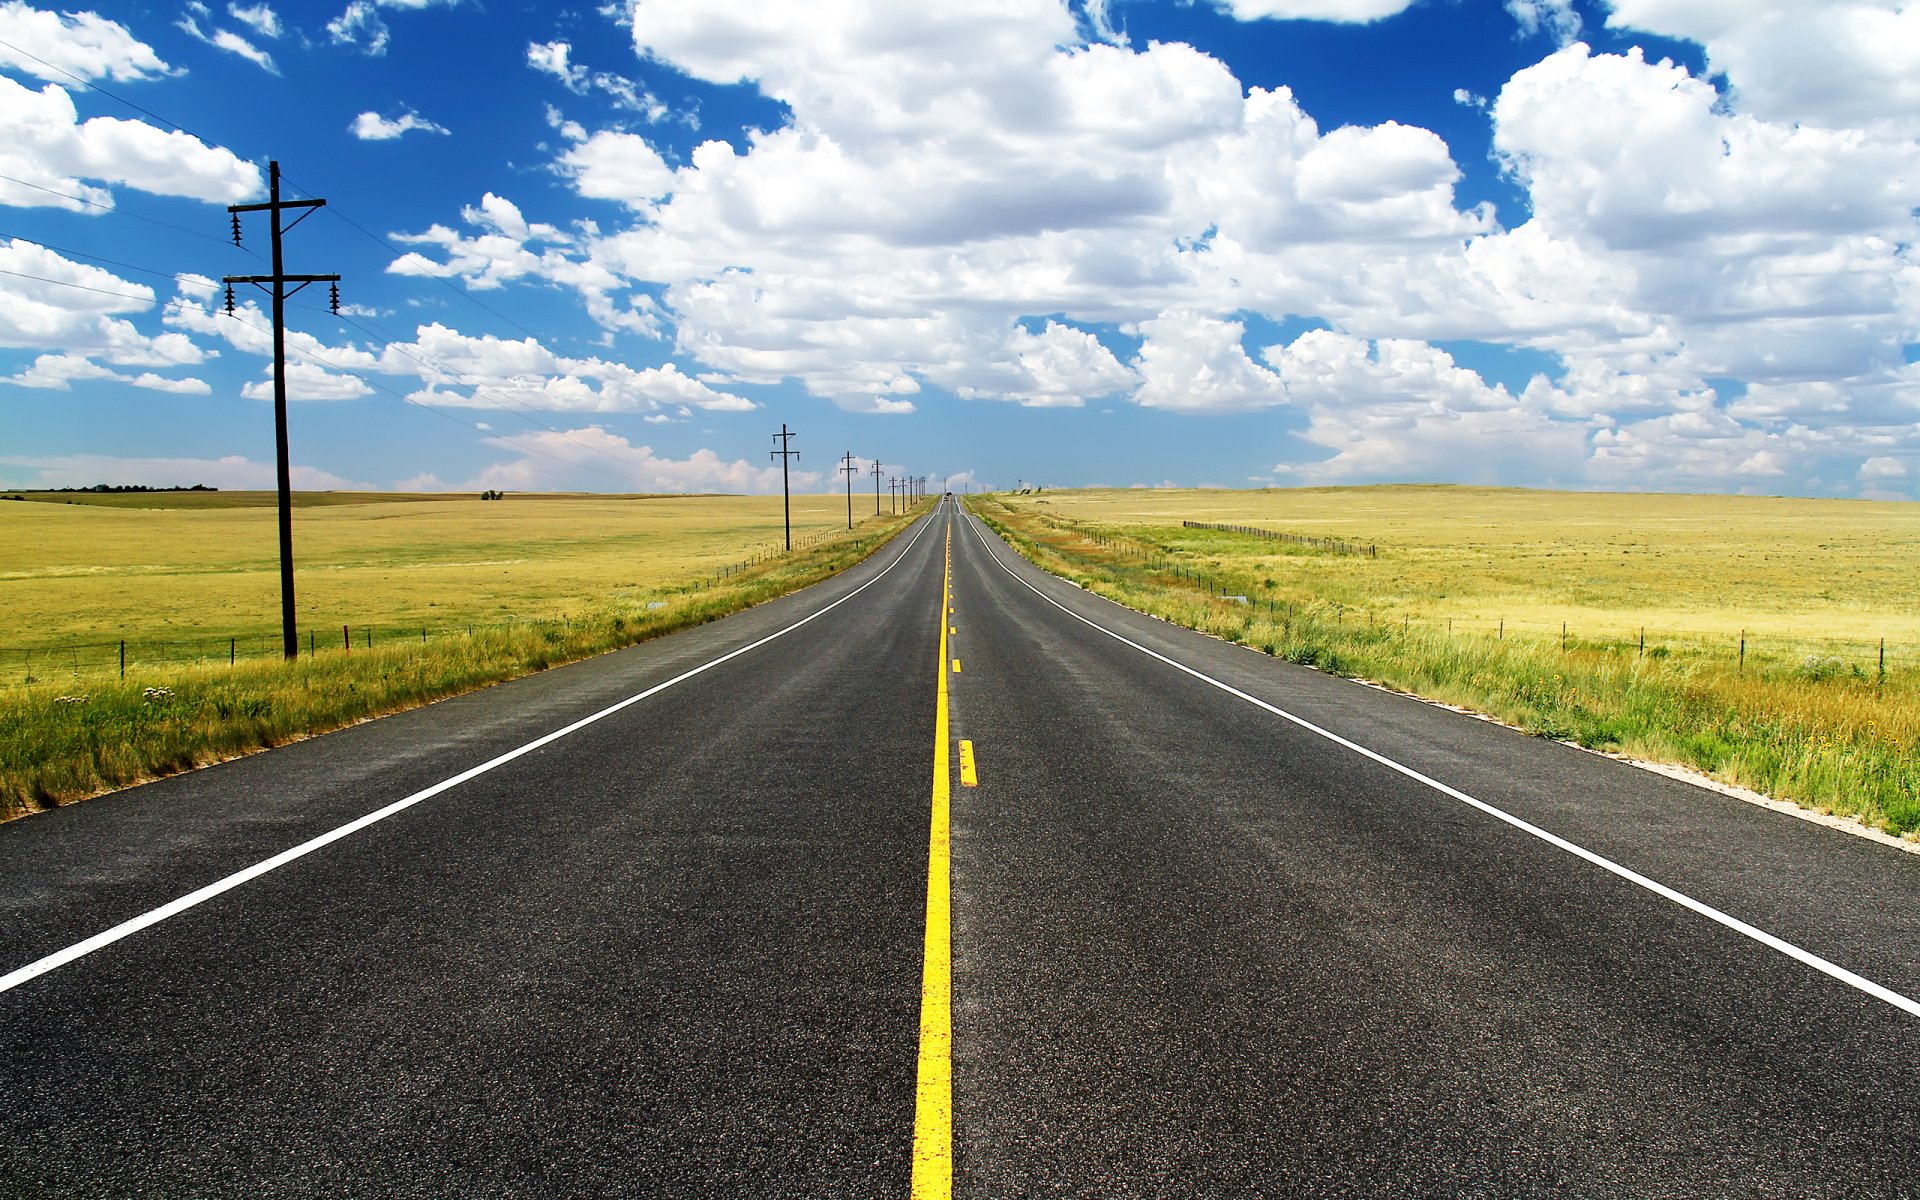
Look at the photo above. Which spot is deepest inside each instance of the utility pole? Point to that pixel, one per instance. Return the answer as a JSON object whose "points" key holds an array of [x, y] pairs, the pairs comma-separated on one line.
{"points": [[876, 487], [786, 498], [849, 470], [275, 285]]}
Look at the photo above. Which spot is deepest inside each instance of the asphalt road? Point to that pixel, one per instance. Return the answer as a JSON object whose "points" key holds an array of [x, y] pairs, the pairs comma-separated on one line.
{"points": [[1198, 948]]}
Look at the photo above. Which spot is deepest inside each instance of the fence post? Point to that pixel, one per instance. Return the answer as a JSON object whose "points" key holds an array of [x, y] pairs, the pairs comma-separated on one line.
{"points": [[1743, 652], [123, 657], [1502, 635], [233, 650], [346, 639], [1883, 658], [1563, 637]]}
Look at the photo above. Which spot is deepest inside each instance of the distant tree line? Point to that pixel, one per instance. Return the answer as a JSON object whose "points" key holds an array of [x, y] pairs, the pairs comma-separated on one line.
{"points": [[132, 487]]}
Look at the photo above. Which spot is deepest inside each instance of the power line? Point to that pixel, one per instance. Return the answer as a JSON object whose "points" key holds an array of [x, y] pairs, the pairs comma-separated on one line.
{"points": [[123, 212], [375, 335], [322, 361], [92, 86], [76, 286], [445, 281]]}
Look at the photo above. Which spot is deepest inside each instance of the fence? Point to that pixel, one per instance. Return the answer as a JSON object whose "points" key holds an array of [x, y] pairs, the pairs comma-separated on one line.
{"points": [[1298, 539], [118, 656], [1813, 655]]}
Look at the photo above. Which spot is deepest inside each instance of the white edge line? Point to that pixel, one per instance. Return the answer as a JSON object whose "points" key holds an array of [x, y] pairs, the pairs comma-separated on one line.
{"points": [[127, 928], [1807, 957]]}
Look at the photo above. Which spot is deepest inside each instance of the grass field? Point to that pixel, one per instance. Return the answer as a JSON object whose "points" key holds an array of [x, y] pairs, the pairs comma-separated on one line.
{"points": [[178, 574], [1472, 588], [457, 593]]}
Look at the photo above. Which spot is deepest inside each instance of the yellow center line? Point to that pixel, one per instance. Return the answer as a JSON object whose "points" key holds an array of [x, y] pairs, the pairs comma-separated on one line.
{"points": [[933, 1097], [969, 776], [956, 666]]}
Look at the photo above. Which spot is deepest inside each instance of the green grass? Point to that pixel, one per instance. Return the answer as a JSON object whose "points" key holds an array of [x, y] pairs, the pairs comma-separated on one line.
{"points": [[78, 733], [1805, 717]]}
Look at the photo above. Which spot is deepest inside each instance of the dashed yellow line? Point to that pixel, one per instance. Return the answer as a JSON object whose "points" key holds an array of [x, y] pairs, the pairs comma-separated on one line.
{"points": [[956, 666], [969, 775], [933, 1096]]}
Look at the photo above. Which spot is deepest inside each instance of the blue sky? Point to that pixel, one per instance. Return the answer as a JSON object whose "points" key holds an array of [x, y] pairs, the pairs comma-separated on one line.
{"points": [[1633, 244]]}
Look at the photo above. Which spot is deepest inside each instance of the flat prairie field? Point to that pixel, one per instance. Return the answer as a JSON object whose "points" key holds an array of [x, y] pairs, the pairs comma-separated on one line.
{"points": [[85, 568], [1604, 564], [1773, 643]]}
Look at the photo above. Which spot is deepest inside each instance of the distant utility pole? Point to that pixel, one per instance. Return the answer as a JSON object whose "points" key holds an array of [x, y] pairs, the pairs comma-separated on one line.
{"points": [[275, 285], [849, 470], [876, 487], [786, 497]]}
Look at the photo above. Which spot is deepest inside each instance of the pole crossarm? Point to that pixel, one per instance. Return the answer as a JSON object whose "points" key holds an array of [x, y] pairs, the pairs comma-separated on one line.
{"points": [[280, 278]]}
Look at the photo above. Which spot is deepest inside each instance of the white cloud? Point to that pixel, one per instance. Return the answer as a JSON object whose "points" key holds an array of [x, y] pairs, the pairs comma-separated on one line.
{"points": [[372, 127], [1058, 367], [49, 45], [1833, 63], [43, 142], [612, 165], [1312, 10], [1556, 17], [232, 472], [585, 455], [1195, 363], [231, 42], [58, 372], [309, 381], [361, 27], [258, 17], [958, 193], [1642, 155], [552, 58], [49, 302]]}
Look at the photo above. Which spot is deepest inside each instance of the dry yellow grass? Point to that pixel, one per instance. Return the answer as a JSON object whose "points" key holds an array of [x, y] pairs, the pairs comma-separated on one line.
{"points": [[1466, 600], [506, 588], [187, 566], [1604, 563]]}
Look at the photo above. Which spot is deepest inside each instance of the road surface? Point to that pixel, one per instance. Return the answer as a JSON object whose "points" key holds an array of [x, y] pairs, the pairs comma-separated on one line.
{"points": [[685, 920]]}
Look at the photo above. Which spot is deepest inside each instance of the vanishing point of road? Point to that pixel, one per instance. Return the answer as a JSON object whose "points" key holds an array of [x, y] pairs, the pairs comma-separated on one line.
{"points": [[944, 877]]}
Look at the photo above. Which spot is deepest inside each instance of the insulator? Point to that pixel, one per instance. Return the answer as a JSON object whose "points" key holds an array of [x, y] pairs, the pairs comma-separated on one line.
{"points": [[236, 229], [334, 300], [229, 299]]}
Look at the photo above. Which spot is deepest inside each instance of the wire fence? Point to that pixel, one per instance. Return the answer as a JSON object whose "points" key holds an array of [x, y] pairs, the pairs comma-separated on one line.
{"points": [[146, 651], [1811, 654], [1298, 539]]}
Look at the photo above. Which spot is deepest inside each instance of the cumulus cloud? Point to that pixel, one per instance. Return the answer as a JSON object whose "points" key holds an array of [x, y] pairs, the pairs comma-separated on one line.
{"points": [[1195, 363], [49, 302], [1313, 10], [1834, 64], [50, 45], [58, 372], [233, 472], [552, 460], [959, 197], [372, 127], [44, 142]]}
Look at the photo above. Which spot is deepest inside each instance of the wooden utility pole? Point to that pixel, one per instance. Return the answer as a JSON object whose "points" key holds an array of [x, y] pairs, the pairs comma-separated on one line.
{"points": [[876, 487], [275, 285], [786, 496], [849, 470]]}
